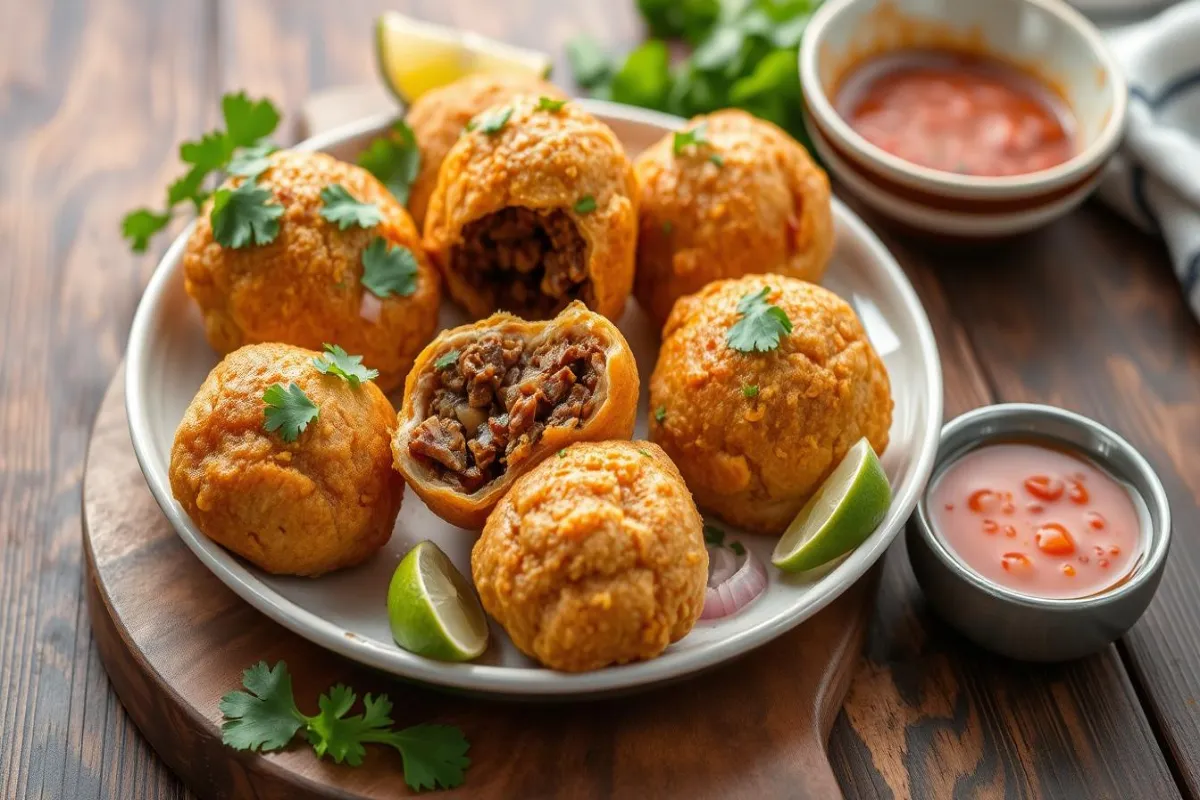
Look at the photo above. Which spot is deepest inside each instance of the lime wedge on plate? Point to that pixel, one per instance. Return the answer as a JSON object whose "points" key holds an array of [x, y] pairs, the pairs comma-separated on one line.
{"points": [[433, 609], [847, 508], [415, 56]]}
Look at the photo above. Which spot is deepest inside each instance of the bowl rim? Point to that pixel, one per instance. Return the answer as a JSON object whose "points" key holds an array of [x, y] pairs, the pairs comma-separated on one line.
{"points": [[1155, 497], [1076, 168]]}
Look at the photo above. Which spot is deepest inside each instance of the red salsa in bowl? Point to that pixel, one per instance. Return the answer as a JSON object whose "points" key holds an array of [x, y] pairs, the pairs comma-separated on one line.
{"points": [[957, 112], [1037, 520]]}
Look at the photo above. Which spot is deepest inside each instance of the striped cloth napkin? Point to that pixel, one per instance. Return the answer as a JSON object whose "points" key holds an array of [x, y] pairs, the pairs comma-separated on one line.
{"points": [[1155, 178]]}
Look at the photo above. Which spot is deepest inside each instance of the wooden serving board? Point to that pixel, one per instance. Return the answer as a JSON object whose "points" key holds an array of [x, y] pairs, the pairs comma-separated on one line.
{"points": [[174, 640]]}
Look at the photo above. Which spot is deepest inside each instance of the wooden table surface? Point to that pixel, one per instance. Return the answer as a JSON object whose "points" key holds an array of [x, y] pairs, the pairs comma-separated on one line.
{"points": [[94, 97]]}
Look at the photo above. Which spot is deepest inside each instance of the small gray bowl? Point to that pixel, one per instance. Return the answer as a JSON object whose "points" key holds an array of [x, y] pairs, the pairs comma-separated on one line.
{"points": [[1018, 625]]}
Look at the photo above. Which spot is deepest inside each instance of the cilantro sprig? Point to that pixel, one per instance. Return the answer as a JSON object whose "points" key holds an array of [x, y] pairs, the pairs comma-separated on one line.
{"points": [[389, 269], [395, 159], [239, 149], [491, 121], [287, 411], [247, 215], [336, 361], [342, 209], [697, 136], [761, 325], [550, 104], [265, 717]]}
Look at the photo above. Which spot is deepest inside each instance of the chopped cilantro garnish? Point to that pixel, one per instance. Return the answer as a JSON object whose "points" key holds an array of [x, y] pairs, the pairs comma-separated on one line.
{"points": [[265, 717], [644, 452], [491, 122], [550, 104], [244, 216], [446, 361], [717, 159], [684, 139], [585, 204], [336, 361], [562, 453], [394, 159], [750, 391], [288, 411], [761, 325], [660, 414], [713, 535], [343, 210], [389, 269]]}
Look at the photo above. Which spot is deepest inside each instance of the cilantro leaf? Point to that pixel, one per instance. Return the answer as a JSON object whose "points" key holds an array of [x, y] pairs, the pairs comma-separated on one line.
{"points": [[252, 161], [140, 225], [246, 120], [394, 159], [660, 414], [288, 411], [446, 361], [761, 325], [187, 188], [644, 79], [550, 104], [336, 361], [208, 153], [684, 139], [749, 391], [389, 269], [433, 755], [343, 210], [717, 159], [590, 65], [265, 718], [332, 733], [491, 121], [245, 215], [585, 204], [713, 535]]}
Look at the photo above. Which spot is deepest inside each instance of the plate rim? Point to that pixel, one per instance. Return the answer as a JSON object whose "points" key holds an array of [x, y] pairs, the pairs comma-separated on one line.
{"points": [[533, 681]]}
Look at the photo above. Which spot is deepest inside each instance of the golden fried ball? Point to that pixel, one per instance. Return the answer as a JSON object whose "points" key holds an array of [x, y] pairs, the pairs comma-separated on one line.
{"points": [[535, 208], [327, 500], [764, 208], [754, 460], [437, 119], [595, 557], [305, 288]]}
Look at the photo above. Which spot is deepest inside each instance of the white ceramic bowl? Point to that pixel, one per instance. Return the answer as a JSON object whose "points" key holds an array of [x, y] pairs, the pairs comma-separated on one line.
{"points": [[346, 612], [1045, 36]]}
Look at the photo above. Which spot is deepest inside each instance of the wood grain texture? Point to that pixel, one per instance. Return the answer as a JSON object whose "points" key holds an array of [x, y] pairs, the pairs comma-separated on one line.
{"points": [[758, 728]]}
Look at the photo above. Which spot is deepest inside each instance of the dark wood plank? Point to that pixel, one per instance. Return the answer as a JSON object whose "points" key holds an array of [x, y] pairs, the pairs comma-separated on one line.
{"points": [[93, 96], [1115, 342]]}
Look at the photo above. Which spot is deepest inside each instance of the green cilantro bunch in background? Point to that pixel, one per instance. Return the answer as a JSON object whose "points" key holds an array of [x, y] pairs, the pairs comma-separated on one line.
{"points": [[744, 56]]}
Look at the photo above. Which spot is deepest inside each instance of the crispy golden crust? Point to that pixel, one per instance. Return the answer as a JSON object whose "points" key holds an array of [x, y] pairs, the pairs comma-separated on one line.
{"points": [[614, 419], [595, 558], [765, 209], [305, 287], [754, 461], [438, 116], [325, 501], [541, 160]]}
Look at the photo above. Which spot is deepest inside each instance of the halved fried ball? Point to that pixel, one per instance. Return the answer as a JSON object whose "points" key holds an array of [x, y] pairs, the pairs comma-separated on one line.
{"points": [[594, 558], [535, 208], [327, 500], [756, 433], [748, 199], [486, 402], [437, 119], [306, 287]]}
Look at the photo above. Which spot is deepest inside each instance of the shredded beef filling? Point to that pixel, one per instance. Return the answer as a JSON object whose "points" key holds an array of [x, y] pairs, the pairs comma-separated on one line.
{"points": [[488, 409], [533, 262]]}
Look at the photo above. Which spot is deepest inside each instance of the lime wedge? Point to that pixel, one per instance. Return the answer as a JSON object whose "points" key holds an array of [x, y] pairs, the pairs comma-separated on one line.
{"points": [[433, 609], [415, 56], [847, 508]]}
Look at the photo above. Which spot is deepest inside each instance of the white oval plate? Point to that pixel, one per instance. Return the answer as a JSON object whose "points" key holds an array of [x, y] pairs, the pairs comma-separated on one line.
{"points": [[346, 612]]}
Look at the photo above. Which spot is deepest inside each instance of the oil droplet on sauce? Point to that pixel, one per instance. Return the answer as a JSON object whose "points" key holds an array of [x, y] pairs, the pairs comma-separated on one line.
{"points": [[1069, 528]]}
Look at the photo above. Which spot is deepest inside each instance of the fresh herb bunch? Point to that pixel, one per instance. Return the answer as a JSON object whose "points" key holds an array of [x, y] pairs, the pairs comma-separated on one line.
{"points": [[744, 56], [265, 717], [241, 149]]}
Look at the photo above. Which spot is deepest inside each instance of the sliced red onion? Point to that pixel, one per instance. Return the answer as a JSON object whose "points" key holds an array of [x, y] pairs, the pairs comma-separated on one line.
{"points": [[370, 307], [730, 590]]}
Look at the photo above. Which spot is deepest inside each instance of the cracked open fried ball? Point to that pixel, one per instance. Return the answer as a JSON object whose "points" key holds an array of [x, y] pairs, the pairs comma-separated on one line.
{"points": [[746, 198], [535, 207], [595, 557], [327, 500], [755, 433], [306, 287], [437, 119]]}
